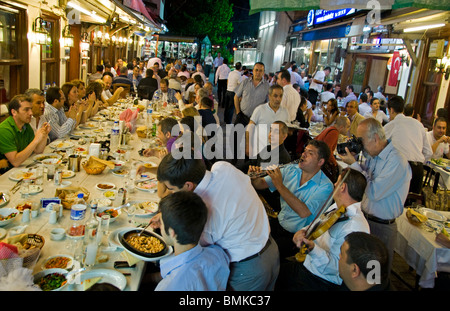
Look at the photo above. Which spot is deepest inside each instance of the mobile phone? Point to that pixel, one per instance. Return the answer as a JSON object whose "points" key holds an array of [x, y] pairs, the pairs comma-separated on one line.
{"points": [[122, 264]]}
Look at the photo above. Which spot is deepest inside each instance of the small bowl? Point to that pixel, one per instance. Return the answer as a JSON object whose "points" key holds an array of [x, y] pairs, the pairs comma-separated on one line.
{"points": [[102, 209], [4, 212], [118, 165], [43, 273], [57, 234]]}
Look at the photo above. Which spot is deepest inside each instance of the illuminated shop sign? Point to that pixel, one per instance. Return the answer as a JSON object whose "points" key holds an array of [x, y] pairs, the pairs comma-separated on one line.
{"points": [[316, 17]]}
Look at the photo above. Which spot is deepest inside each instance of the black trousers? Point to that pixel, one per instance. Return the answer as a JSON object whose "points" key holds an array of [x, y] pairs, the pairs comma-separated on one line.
{"points": [[221, 90], [417, 177], [312, 96], [229, 107]]}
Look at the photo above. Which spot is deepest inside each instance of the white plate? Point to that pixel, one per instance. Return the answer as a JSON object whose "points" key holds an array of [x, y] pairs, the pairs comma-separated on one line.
{"points": [[80, 134], [20, 174], [113, 237], [432, 214], [168, 252], [6, 201], [45, 156], [101, 202], [3, 233], [61, 145], [149, 185], [8, 211], [121, 172], [105, 183], [107, 276], [147, 211], [33, 189], [69, 264], [67, 174], [88, 126], [98, 119]]}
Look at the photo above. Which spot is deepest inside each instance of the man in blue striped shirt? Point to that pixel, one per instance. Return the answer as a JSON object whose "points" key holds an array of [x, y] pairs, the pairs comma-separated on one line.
{"points": [[61, 124]]}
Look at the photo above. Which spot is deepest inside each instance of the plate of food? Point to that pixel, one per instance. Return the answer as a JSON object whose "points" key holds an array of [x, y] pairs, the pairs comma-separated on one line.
{"points": [[67, 174], [113, 214], [32, 189], [46, 156], [98, 119], [58, 261], [7, 215], [101, 202], [145, 208], [110, 194], [149, 246], [120, 172], [99, 276], [61, 145], [432, 214], [441, 162], [4, 198], [113, 237], [105, 186], [149, 185], [24, 205], [88, 126], [17, 175], [81, 134], [51, 279]]}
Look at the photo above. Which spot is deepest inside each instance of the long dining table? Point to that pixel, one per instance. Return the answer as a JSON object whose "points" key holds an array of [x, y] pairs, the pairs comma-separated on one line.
{"points": [[41, 224]]}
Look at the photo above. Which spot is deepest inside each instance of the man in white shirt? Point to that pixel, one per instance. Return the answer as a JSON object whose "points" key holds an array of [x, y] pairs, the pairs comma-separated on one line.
{"points": [[408, 136], [320, 269], [237, 220], [291, 98], [317, 83], [37, 107], [438, 140], [221, 80], [257, 131], [379, 95], [234, 79], [364, 107], [208, 64], [327, 95], [217, 62]]}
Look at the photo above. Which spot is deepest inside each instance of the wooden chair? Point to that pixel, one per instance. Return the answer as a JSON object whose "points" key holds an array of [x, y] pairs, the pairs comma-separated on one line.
{"points": [[126, 89]]}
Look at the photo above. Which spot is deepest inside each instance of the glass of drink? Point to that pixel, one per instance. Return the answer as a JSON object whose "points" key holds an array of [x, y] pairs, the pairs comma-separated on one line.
{"points": [[131, 211]]}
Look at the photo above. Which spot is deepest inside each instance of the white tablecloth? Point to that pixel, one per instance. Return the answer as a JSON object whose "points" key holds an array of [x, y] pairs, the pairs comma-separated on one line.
{"points": [[40, 224], [420, 250]]}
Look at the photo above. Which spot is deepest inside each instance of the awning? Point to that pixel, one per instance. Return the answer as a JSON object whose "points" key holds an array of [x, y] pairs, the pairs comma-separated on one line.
{"points": [[306, 5], [140, 14]]}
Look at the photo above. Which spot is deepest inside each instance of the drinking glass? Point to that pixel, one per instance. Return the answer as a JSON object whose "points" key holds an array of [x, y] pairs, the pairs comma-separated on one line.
{"points": [[105, 224], [131, 211]]}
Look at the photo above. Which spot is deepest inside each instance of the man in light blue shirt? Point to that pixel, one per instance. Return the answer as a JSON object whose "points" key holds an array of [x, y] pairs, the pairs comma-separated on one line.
{"points": [[303, 189], [388, 177], [350, 95], [191, 267]]}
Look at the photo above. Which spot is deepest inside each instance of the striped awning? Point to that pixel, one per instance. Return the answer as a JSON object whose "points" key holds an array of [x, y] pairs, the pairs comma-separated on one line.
{"points": [[306, 5]]}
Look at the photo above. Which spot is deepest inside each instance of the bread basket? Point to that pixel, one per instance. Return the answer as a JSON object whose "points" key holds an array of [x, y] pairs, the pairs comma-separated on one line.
{"points": [[95, 166]]}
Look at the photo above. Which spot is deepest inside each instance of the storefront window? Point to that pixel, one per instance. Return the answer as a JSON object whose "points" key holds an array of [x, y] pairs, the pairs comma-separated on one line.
{"points": [[13, 52], [50, 54]]}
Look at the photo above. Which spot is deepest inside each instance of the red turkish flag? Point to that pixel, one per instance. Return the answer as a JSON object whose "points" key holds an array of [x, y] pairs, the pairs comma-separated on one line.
{"points": [[395, 69]]}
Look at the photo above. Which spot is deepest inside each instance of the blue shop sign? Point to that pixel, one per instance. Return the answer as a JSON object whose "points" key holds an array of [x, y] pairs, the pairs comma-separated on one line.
{"points": [[316, 17]]}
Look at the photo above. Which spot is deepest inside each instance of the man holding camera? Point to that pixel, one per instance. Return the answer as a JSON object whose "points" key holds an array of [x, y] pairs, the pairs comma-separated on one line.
{"points": [[388, 176]]}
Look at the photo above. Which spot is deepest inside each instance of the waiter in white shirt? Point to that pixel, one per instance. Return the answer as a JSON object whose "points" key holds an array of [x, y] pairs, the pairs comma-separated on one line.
{"points": [[409, 137], [221, 80], [316, 85], [234, 79], [291, 98]]}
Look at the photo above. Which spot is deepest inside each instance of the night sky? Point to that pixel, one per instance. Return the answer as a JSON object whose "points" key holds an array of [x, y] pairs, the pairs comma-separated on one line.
{"points": [[243, 24]]}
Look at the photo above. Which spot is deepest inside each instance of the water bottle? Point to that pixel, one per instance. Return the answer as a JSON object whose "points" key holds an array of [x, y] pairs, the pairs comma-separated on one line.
{"points": [[91, 237], [77, 215], [115, 136]]}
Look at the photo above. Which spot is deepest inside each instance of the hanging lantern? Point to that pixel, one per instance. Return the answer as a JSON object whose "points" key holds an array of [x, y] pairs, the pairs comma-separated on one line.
{"points": [[41, 34], [67, 37]]}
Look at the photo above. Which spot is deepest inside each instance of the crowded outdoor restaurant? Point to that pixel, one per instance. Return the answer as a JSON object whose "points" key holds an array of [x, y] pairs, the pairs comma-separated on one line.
{"points": [[150, 175]]}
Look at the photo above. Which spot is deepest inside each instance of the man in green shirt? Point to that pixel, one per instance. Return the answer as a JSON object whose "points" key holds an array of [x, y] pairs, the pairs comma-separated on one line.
{"points": [[18, 140]]}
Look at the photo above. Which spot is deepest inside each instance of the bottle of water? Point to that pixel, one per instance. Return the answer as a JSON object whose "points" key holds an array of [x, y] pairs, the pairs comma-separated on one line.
{"points": [[115, 136], [77, 215], [91, 237]]}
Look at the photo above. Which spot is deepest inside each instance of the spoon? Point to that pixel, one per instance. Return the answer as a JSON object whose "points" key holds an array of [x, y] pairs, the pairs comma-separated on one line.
{"points": [[139, 234], [122, 206], [71, 275]]}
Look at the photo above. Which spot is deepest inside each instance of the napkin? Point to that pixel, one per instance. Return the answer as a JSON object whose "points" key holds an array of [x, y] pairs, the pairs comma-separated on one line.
{"points": [[130, 258], [130, 117]]}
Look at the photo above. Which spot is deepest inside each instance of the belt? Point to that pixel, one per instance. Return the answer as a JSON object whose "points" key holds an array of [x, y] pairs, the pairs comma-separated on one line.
{"points": [[379, 220], [415, 163], [257, 254]]}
